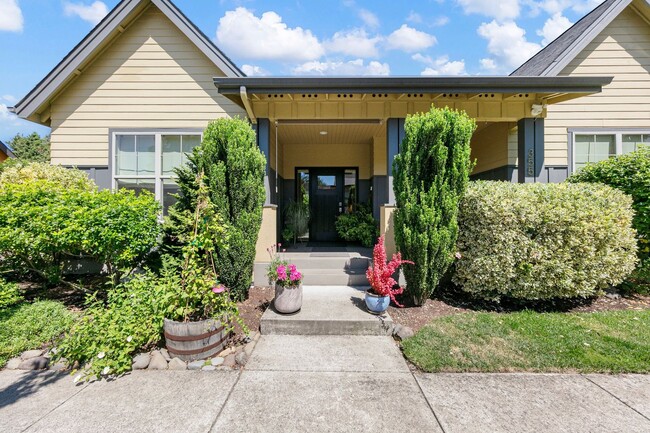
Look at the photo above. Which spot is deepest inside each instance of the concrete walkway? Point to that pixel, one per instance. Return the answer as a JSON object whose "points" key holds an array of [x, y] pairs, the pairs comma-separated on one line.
{"points": [[325, 384]]}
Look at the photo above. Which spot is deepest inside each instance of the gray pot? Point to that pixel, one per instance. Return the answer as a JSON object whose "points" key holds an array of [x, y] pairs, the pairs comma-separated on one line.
{"points": [[287, 299]]}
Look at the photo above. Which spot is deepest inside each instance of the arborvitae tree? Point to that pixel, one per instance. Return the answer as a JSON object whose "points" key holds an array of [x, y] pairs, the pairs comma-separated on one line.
{"points": [[32, 147], [431, 174], [233, 168]]}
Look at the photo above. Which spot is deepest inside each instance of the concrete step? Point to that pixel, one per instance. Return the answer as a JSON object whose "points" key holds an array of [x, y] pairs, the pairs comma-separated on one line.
{"points": [[342, 263], [328, 310], [334, 277]]}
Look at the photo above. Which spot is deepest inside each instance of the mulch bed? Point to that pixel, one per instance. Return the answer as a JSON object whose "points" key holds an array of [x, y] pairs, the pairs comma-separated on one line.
{"points": [[251, 310]]}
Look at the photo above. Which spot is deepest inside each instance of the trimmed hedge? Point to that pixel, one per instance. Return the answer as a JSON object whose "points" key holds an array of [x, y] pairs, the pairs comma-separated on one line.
{"points": [[543, 241]]}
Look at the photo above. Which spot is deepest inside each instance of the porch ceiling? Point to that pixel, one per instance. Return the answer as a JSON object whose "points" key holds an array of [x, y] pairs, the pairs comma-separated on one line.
{"points": [[336, 133]]}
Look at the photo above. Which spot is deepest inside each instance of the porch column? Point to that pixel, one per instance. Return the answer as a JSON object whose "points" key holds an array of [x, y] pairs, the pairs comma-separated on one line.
{"points": [[263, 130], [530, 150], [394, 137]]}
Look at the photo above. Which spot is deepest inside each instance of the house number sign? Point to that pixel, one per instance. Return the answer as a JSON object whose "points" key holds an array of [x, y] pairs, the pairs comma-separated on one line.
{"points": [[530, 163]]}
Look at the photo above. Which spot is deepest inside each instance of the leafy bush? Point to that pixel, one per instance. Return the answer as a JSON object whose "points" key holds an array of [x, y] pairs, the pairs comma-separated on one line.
{"points": [[431, 174], [296, 220], [9, 294], [30, 326], [57, 177], [46, 223], [234, 173], [631, 174], [358, 226], [543, 241]]}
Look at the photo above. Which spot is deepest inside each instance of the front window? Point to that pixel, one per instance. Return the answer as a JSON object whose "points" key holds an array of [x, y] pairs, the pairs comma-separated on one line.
{"points": [[589, 147], [146, 161]]}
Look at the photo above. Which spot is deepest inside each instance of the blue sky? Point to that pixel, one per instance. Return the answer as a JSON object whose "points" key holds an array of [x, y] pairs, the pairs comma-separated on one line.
{"points": [[300, 37]]}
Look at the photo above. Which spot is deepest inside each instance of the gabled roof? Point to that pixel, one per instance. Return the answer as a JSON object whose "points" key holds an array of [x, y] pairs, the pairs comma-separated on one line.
{"points": [[113, 24], [5, 149], [551, 60]]}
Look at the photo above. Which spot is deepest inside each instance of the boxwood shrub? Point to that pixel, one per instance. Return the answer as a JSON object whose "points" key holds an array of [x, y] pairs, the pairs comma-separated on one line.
{"points": [[543, 241]]}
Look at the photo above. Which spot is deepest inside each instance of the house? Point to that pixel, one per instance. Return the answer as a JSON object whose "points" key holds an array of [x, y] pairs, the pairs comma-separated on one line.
{"points": [[135, 94], [612, 40], [5, 152]]}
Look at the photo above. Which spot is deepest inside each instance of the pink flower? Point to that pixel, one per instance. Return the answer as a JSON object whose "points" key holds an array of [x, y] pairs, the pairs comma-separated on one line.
{"points": [[458, 255], [279, 244], [219, 289], [282, 272], [295, 276]]}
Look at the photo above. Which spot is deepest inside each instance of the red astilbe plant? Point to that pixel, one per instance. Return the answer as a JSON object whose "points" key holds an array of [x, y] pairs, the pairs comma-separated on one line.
{"points": [[380, 274]]}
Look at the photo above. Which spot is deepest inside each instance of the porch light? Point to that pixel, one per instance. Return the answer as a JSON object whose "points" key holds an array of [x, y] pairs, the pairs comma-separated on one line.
{"points": [[323, 133]]}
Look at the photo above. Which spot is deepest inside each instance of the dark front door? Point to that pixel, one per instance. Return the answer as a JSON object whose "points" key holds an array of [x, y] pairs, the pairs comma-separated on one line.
{"points": [[326, 198]]}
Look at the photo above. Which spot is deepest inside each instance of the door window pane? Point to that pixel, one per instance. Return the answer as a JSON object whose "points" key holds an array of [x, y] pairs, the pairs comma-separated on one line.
{"points": [[632, 142], [138, 185], [350, 199], [593, 148], [326, 182], [303, 186]]}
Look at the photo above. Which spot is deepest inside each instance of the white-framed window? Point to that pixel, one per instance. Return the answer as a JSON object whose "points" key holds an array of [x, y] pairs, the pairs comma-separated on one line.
{"points": [[598, 145], [145, 160]]}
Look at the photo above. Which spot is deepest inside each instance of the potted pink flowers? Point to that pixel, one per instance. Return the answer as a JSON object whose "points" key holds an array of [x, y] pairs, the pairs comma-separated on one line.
{"points": [[383, 286], [288, 288]]}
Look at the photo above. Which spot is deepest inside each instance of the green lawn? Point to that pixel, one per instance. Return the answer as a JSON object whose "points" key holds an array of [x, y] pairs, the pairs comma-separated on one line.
{"points": [[30, 325], [614, 341]]}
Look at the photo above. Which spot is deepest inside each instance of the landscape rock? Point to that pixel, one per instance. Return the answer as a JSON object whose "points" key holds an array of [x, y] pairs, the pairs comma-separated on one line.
{"points": [[402, 332], [38, 363], [216, 361], [165, 355], [157, 362], [13, 363], [141, 361], [195, 365], [177, 364], [241, 358], [208, 368], [31, 354], [229, 361], [59, 366], [248, 349], [227, 351]]}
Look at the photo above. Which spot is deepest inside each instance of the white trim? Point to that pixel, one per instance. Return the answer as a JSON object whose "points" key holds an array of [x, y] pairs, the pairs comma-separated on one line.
{"points": [[616, 132]]}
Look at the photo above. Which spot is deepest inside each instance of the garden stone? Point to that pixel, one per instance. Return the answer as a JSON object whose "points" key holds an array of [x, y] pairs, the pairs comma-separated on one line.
{"points": [[38, 363], [196, 365], [216, 361], [59, 366], [208, 368], [177, 364], [165, 355], [157, 362], [229, 361], [402, 332], [13, 363], [31, 354], [141, 361], [225, 352], [241, 358], [248, 350]]}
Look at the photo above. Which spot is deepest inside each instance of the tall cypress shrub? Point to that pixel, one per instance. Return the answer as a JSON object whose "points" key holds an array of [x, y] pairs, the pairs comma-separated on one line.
{"points": [[431, 173], [233, 168]]}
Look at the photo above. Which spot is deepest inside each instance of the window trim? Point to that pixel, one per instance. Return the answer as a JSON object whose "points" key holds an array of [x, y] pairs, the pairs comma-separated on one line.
{"points": [[158, 177], [616, 132]]}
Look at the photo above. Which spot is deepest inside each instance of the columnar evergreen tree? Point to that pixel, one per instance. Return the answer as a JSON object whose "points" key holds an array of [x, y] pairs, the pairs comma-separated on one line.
{"points": [[431, 173], [233, 168]]}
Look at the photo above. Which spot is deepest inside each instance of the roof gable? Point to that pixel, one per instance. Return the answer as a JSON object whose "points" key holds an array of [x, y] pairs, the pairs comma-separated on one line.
{"points": [[553, 58], [125, 13]]}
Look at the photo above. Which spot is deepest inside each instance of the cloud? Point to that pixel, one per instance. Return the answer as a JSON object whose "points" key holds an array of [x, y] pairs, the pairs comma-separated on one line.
{"points": [[9, 98], [554, 27], [11, 17], [440, 21], [355, 43], [488, 64], [369, 18], [93, 13], [414, 17], [440, 65], [507, 43], [254, 71], [552, 7], [409, 39], [501, 10], [352, 67], [266, 37]]}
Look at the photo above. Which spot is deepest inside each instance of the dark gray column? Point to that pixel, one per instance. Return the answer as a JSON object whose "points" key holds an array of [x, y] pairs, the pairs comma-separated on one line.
{"points": [[263, 131], [530, 150], [394, 137]]}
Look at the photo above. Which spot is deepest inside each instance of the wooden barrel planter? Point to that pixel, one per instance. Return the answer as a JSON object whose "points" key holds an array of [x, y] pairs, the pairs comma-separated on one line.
{"points": [[190, 341]]}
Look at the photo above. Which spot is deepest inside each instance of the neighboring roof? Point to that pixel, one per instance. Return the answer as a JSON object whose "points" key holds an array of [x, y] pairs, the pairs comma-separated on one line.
{"points": [[113, 24], [551, 60], [5, 149]]}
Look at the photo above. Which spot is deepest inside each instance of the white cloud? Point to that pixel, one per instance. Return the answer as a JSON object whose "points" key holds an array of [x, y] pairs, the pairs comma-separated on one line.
{"points": [[355, 43], [9, 98], [552, 7], [414, 17], [507, 43], [352, 67], [369, 18], [440, 21], [11, 17], [554, 27], [242, 33], [254, 71], [409, 39], [488, 64], [440, 65], [93, 13], [501, 10]]}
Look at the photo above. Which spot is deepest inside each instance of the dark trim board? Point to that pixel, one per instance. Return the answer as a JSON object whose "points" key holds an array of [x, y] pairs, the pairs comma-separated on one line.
{"points": [[508, 173]]}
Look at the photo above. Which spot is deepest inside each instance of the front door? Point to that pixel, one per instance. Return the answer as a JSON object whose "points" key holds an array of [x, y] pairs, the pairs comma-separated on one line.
{"points": [[326, 199]]}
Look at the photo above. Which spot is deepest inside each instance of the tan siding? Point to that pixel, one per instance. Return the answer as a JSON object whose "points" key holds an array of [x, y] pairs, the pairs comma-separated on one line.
{"points": [[152, 76], [621, 50]]}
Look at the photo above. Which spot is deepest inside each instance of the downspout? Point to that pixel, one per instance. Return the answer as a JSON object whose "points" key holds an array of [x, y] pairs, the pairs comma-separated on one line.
{"points": [[247, 104]]}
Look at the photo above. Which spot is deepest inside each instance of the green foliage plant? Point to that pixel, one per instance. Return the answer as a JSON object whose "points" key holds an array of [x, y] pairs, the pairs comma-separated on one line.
{"points": [[233, 168], [358, 226], [431, 173], [32, 147], [629, 173], [297, 216], [543, 241], [57, 177], [9, 294]]}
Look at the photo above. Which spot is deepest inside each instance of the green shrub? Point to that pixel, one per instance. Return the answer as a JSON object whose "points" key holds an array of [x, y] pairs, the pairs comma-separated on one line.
{"points": [[358, 226], [45, 224], [234, 173], [9, 294], [543, 241], [296, 219], [31, 147], [23, 173], [431, 173], [631, 174], [30, 326]]}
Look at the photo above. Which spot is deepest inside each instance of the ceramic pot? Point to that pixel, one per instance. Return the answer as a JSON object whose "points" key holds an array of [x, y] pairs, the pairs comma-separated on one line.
{"points": [[288, 299], [376, 304]]}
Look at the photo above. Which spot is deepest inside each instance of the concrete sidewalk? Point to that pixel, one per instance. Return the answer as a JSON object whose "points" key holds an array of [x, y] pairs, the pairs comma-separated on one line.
{"points": [[325, 383]]}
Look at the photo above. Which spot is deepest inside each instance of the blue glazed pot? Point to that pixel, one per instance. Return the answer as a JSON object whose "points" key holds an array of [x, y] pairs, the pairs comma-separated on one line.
{"points": [[376, 304]]}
